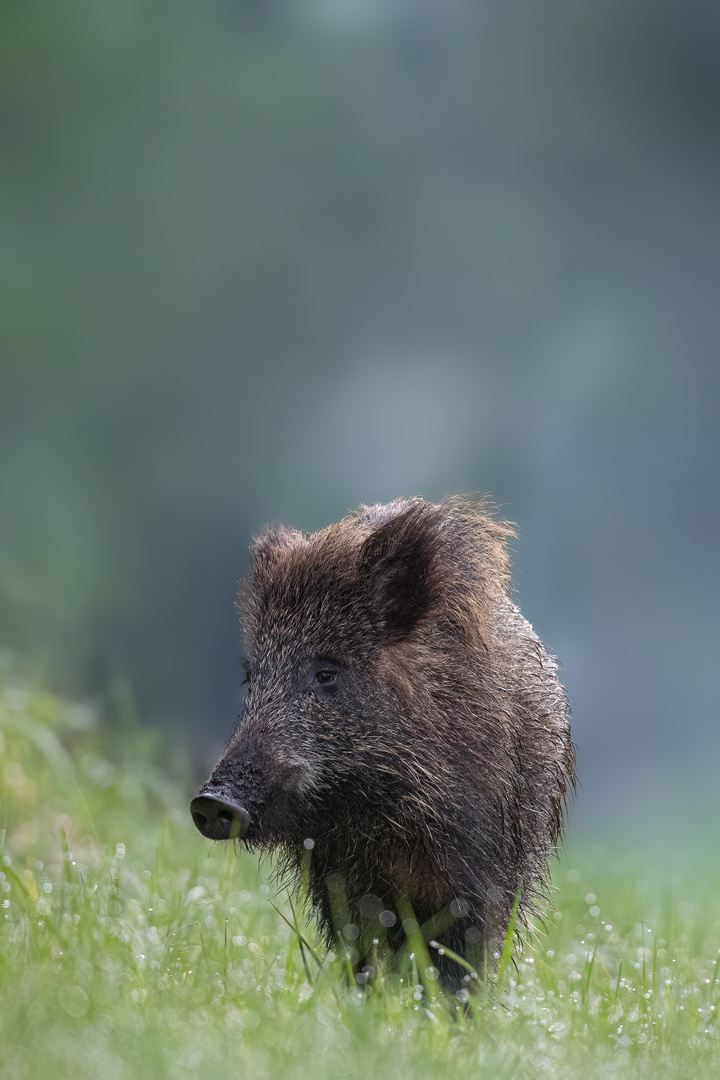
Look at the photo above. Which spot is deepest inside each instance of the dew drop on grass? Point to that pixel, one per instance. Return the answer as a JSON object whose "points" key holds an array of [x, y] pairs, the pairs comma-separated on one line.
{"points": [[459, 907]]}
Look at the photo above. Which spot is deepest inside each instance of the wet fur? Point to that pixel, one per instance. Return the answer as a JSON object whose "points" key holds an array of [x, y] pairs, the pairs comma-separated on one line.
{"points": [[439, 769]]}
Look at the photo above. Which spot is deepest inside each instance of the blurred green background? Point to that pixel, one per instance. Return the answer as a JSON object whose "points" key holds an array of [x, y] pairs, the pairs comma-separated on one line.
{"points": [[269, 259]]}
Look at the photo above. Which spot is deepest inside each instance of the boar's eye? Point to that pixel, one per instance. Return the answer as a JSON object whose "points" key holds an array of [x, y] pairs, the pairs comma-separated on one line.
{"points": [[325, 677]]}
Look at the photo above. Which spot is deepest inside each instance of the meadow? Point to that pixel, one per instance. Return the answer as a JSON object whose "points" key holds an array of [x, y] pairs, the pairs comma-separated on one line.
{"points": [[130, 947]]}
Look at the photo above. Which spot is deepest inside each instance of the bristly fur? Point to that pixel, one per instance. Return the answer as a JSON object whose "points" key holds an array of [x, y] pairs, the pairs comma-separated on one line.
{"points": [[433, 771]]}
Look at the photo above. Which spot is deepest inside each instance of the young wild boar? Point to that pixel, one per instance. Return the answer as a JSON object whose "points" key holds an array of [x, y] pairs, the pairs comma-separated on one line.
{"points": [[404, 731]]}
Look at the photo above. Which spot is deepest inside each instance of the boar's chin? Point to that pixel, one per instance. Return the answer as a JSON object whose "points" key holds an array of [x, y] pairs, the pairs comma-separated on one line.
{"points": [[279, 822], [283, 815]]}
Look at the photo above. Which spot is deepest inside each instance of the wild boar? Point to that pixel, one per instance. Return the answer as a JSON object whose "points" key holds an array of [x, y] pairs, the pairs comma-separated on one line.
{"points": [[404, 731]]}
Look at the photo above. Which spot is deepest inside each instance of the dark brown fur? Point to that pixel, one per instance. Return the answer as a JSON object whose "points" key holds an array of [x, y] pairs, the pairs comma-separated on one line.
{"points": [[433, 772]]}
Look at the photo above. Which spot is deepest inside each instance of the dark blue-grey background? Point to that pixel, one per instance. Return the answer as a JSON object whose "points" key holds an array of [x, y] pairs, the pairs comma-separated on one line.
{"points": [[267, 260]]}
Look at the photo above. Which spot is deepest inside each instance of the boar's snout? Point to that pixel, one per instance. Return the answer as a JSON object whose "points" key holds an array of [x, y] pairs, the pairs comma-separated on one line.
{"points": [[218, 818]]}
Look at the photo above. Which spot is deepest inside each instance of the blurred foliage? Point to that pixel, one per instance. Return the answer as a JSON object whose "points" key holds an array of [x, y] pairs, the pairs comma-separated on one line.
{"points": [[268, 260], [65, 776]]}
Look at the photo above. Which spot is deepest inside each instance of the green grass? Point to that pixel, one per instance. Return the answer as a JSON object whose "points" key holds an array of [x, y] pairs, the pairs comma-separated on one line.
{"points": [[130, 947]]}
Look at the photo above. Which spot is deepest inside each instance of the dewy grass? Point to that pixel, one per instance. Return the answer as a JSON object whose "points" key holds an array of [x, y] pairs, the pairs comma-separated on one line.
{"points": [[130, 948]]}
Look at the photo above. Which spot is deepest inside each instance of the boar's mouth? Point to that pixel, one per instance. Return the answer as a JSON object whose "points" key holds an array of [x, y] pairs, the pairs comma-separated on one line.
{"points": [[219, 818]]}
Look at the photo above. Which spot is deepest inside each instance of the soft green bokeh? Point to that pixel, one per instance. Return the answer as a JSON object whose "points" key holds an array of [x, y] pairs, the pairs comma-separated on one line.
{"points": [[267, 259]]}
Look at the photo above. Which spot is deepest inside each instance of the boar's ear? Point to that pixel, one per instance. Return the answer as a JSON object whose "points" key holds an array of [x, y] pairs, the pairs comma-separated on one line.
{"points": [[397, 561]]}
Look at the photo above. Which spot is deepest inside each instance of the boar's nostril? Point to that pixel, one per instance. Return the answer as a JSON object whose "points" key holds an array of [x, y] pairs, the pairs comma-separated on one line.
{"points": [[219, 819]]}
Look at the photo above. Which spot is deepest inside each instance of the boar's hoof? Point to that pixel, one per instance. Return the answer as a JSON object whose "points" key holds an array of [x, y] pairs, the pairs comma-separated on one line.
{"points": [[219, 819]]}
